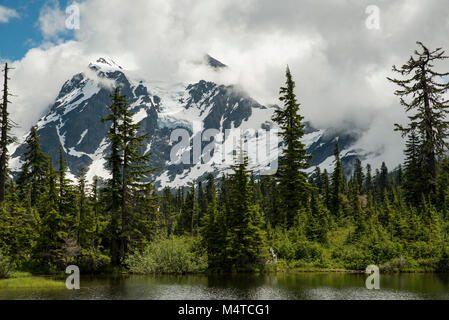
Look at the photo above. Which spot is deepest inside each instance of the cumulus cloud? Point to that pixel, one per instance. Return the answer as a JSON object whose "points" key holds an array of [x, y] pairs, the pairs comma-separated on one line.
{"points": [[6, 14], [52, 21], [340, 66]]}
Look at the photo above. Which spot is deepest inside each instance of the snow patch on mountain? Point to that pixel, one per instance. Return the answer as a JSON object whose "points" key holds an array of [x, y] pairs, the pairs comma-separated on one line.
{"points": [[160, 107]]}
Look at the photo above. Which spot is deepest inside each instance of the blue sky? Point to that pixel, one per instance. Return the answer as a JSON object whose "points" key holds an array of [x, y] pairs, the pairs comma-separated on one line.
{"points": [[22, 33]]}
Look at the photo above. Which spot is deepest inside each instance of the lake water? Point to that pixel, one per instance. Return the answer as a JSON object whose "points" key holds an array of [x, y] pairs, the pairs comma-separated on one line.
{"points": [[299, 286]]}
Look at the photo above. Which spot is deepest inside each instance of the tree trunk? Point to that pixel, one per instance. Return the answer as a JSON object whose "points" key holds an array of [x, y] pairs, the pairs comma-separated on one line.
{"points": [[4, 136], [123, 238]]}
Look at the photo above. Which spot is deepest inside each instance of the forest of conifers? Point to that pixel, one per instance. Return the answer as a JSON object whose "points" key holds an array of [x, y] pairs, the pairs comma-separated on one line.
{"points": [[397, 219]]}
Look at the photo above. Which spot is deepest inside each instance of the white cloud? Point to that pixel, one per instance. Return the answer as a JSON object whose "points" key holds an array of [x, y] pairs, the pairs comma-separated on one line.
{"points": [[52, 20], [6, 14], [338, 64]]}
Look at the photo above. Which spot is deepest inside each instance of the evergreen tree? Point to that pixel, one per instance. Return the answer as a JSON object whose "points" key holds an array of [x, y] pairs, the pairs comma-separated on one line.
{"points": [[245, 238], [337, 184], [129, 169], [189, 212], [357, 212], [134, 168], [202, 203], [317, 224], [443, 188], [368, 180], [382, 182], [53, 228], [214, 230], [326, 190], [270, 199], [66, 197], [358, 172], [33, 175], [180, 197], [413, 178], [97, 218], [84, 222], [114, 161], [18, 228], [211, 190], [428, 106], [292, 179], [318, 180], [145, 218], [168, 210], [399, 176]]}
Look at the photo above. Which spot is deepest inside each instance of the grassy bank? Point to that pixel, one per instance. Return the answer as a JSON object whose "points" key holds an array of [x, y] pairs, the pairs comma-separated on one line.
{"points": [[24, 280]]}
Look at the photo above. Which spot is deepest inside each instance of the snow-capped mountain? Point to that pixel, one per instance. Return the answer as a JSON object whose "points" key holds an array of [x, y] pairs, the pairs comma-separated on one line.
{"points": [[74, 121]]}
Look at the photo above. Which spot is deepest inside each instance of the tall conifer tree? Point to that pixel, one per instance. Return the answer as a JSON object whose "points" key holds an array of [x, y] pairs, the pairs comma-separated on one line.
{"points": [[428, 107], [294, 160]]}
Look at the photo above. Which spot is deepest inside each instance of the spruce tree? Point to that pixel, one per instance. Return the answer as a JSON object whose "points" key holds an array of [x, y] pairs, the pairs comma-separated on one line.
{"points": [[85, 221], [189, 213], [317, 223], [357, 212], [326, 190], [245, 239], [318, 180], [413, 178], [428, 107], [293, 184], [368, 186], [66, 193], [53, 227], [145, 219], [337, 184], [114, 161], [202, 203], [382, 182], [168, 210], [130, 170], [358, 172], [270, 200], [443, 188], [134, 168], [33, 174], [214, 230]]}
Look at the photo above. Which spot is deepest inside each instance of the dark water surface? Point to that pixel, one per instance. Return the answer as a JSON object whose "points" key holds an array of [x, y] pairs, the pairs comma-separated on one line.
{"points": [[299, 286]]}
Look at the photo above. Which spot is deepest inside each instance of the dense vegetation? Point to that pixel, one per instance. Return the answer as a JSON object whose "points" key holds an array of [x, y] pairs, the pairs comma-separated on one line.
{"points": [[396, 219]]}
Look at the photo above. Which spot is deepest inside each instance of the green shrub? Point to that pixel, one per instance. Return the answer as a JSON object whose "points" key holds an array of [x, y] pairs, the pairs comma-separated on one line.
{"points": [[383, 251], [283, 246], [422, 250], [175, 255], [352, 257], [309, 251], [6, 266], [91, 261]]}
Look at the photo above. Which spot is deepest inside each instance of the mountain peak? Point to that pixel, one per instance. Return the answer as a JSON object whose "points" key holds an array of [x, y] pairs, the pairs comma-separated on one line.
{"points": [[105, 64], [214, 63]]}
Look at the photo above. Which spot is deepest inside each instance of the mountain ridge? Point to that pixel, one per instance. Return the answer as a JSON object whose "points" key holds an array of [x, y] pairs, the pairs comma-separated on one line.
{"points": [[74, 120]]}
